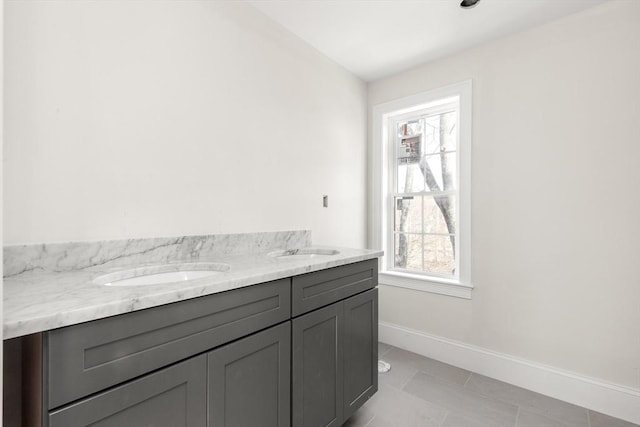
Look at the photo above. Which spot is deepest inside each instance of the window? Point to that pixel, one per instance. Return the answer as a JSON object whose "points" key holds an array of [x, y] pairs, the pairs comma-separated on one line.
{"points": [[420, 197]]}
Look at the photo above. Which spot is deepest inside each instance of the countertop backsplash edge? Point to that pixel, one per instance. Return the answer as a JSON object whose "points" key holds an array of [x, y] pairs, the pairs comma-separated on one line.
{"points": [[75, 256]]}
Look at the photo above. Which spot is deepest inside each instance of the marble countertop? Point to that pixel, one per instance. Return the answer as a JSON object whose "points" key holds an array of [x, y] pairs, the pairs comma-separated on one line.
{"points": [[37, 300]]}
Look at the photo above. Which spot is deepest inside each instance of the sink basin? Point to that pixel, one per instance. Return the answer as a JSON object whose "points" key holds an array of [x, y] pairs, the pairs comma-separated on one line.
{"points": [[304, 253], [161, 274]]}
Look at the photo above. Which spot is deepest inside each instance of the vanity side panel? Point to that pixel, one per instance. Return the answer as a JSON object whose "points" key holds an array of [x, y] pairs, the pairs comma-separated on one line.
{"points": [[89, 357], [23, 382], [12, 382]]}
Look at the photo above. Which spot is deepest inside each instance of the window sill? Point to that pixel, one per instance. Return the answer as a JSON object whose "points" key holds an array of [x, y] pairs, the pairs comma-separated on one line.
{"points": [[426, 284]]}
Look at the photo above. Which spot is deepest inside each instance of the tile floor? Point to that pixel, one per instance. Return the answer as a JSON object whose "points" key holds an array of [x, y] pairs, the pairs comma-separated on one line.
{"points": [[421, 392]]}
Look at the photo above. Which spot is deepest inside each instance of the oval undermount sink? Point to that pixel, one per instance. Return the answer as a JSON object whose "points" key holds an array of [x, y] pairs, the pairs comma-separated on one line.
{"points": [[161, 274], [304, 253]]}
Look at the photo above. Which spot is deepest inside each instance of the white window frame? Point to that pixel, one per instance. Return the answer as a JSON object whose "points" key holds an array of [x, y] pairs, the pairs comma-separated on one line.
{"points": [[381, 181]]}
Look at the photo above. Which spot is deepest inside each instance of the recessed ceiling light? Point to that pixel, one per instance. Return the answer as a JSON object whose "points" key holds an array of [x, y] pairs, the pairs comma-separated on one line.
{"points": [[467, 4]]}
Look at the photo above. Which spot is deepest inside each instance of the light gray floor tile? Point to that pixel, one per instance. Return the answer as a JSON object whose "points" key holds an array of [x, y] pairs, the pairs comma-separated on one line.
{"points": [[399, 375], [601, 420], [457, 420], [563, 412], [383, 348], [379, 422], [398, 408], [531, 419], [428, 366], [409, 397], [456, 398]]}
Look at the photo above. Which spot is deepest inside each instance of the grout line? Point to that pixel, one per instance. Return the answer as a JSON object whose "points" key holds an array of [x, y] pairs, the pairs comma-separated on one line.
{"points": [[468, 378], [519, 406], [410, 378], [446, 415], [589, 417], [517, 417], [390, 347]]}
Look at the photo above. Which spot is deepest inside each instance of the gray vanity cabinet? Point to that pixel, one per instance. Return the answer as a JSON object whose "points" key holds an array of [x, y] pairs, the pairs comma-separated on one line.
{"points": [[90, 357], [151, 367], [334, 348], [299, 351], [249, 380], [244, 383], [171, 397]]}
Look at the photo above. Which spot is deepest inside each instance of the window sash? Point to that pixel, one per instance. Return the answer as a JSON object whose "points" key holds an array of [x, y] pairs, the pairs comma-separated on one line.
{"points": [[452, 104]]}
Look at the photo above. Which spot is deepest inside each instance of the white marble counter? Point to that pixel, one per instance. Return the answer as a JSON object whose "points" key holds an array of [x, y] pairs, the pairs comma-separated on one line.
{"points": [[39, 299]]}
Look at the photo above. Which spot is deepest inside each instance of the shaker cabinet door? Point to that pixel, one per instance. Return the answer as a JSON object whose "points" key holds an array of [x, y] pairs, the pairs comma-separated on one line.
{"points": [[317, 368], [360, 350], [249, 380], [172, 397]]}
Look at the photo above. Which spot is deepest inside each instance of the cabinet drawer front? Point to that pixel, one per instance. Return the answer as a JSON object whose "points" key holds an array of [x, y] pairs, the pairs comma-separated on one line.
{"points": [[89, 357], [320, 288], [172, 397]]}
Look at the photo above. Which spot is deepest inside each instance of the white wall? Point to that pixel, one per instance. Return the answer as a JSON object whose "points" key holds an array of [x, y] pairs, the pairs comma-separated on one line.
{"points": [[146, 118], [555, 198]]}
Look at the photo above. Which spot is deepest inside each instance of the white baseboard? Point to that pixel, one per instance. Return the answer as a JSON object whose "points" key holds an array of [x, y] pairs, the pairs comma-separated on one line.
{"points": [[611, 399]]}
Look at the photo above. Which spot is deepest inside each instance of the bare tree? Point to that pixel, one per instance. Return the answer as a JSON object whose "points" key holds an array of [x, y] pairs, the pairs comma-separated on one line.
{"points": [[447, 127], [403, 248]]}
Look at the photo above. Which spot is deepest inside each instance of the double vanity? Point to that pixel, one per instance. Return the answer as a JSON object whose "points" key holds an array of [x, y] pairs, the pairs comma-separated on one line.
{"points": [[272, 336]]}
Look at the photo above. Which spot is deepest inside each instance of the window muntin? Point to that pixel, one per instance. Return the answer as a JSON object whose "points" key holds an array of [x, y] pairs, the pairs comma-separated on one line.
{"points": [[423, 236]]}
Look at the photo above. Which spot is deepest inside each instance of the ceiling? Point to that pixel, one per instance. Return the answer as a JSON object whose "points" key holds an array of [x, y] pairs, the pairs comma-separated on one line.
{"points": [[377, 38]]}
